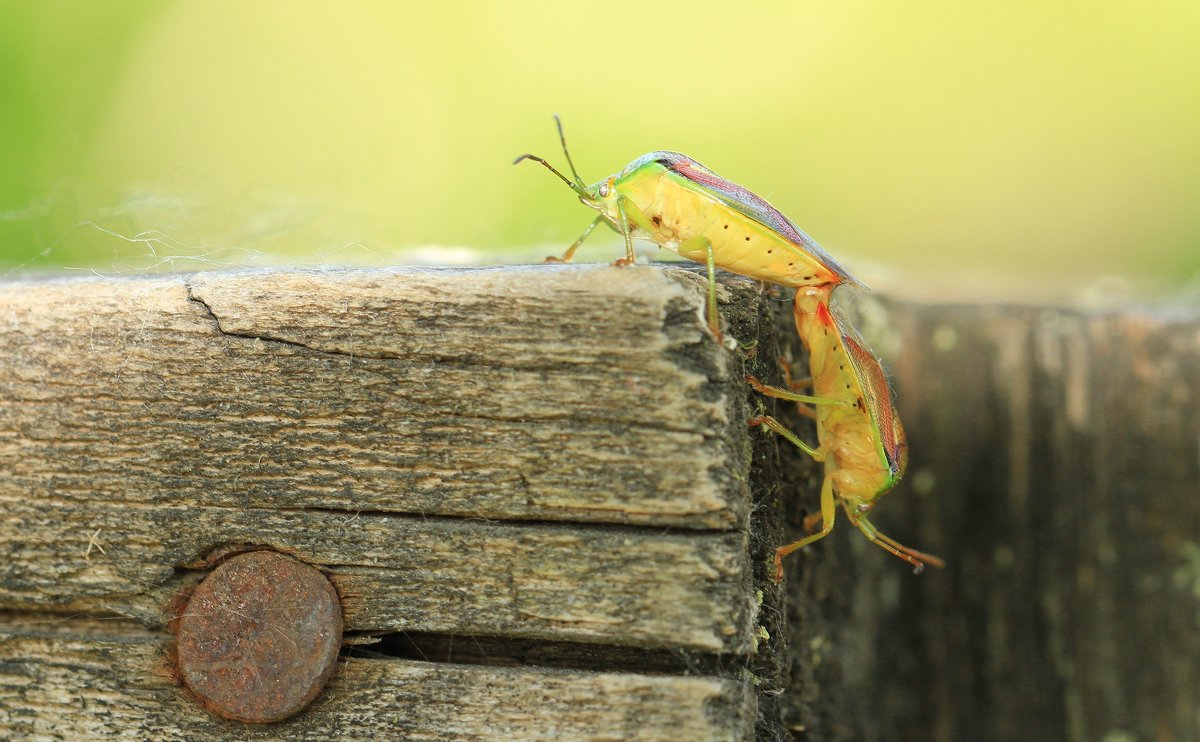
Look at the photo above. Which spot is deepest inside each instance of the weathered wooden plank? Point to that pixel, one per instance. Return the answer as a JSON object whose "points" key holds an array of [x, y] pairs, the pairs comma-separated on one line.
{"points": [[146, 425], [614, 585], [571, 394], [92, 680], [356, 419]]}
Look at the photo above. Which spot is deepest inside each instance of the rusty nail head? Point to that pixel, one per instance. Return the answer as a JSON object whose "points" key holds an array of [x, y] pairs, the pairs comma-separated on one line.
{"points": [[259, 637]]}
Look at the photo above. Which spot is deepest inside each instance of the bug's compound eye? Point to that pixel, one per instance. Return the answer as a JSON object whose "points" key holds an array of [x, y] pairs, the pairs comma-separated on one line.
{"points": [[603, 190]]}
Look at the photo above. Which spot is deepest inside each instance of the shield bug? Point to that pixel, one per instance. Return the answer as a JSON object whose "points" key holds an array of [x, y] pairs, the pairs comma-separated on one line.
{"points": [[861, 440], [678, 204]]}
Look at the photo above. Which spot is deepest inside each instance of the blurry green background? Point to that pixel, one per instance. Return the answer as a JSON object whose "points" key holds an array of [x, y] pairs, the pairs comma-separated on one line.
{"points": [[1005, 149]]}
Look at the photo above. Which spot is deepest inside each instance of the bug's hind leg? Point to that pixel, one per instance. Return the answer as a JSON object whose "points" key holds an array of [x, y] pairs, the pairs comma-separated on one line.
{"points": [[758, 386], [714, 319], [777, 427], [788, 394], [789, 381], [828, 514], [689, 248], [779, 392]]}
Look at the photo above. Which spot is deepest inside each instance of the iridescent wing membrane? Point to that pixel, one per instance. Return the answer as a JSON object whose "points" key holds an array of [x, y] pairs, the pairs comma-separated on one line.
{"points": [[877, 395]]}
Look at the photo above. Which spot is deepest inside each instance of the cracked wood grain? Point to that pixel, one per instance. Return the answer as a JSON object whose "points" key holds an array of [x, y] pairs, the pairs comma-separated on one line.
{"points": [[92, 680], [578, 395], [610, 585], [439, 441], [552, 456]]}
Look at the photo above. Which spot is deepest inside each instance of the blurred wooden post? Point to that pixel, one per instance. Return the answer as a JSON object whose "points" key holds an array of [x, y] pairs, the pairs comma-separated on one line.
{"points": [[545, 517], [1056, 466]]}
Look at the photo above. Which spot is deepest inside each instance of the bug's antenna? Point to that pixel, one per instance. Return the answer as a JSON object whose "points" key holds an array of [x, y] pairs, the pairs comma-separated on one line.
{"points": [[573, 186], [562, 138]]}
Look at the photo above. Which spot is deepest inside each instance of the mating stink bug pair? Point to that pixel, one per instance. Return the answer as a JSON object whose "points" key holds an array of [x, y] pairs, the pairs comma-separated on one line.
{"points": [[680, 205]]}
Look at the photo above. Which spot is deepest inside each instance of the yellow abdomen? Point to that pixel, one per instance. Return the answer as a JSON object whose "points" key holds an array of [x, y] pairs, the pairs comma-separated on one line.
{"points": [[680, 218]]}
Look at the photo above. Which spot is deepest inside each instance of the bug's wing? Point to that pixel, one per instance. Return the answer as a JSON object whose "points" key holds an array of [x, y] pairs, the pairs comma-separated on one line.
{"points": [[750, 204], [877, 395]]}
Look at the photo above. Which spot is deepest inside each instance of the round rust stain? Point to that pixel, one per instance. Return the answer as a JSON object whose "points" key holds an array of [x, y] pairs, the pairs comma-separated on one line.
{"points": [[259, 637]]}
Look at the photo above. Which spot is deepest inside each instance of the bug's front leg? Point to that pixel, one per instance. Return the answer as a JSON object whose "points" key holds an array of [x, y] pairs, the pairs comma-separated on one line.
{"points": [[570, 253], [918, 559], [624, 224], [828, 514], [761, 388]]}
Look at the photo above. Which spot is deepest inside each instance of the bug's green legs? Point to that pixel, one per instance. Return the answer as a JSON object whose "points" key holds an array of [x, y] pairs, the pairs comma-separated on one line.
{"points": [[772, 424], [774, 391], [828, 513], [788, 381], [714, 318], [916, 558], [922, 556], [694, 245], [793, 385], [570, 253]]}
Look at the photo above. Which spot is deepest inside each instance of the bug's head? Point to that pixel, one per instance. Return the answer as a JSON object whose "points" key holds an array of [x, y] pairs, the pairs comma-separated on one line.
{"points": [[602, 196]]}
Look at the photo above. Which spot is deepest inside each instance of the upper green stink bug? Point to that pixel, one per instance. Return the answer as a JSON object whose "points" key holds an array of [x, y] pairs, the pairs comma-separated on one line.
{"points": [[678, 204]]}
